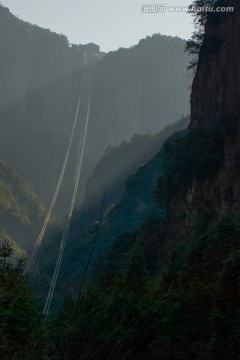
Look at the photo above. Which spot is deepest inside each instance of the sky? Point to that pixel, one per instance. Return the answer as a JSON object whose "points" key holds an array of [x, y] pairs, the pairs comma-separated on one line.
{"points": [[108, 23]]}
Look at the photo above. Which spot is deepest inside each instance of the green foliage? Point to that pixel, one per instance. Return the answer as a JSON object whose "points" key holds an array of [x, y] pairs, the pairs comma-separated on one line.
{"points": [[18, 252], [9, 203], [190, 310], [126, 216], [201, 14], [203, 294], [119, 162], [21, 326], [20, 208], [132, 248], [193, 47]]}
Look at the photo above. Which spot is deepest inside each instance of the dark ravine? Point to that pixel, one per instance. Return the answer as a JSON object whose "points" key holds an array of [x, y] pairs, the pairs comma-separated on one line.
{"points": [[116, 166], [125, 206]]}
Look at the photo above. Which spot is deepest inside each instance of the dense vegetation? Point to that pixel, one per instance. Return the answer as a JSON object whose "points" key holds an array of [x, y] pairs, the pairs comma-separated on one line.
{"points": [[197, 156], [189, 309], [113, 170], [20, 208], [118, 162], [21, 323], [121, 215], [199, 10]]}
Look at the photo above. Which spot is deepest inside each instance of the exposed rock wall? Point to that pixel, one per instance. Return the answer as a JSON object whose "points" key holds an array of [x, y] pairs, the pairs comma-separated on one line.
{"points": [[215, 100], [215, 90]]}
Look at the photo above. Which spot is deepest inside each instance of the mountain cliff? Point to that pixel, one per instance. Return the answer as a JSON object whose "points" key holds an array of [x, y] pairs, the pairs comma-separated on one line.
{"points": [[215, 106]]}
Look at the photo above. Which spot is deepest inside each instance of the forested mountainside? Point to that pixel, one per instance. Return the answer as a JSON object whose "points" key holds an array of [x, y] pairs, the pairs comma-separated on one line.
{"points": [[145, 89], [41, 78], [21, 211], [128, 200], [118, 162], [170, 288]]}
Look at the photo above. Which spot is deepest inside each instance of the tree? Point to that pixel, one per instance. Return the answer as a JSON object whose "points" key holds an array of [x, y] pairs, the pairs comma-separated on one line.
{"points": [[21, 325], [199, 10]]}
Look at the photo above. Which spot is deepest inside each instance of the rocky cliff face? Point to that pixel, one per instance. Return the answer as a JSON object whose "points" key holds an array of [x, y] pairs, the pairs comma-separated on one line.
{"points": [[215, 90], [215, 102]]}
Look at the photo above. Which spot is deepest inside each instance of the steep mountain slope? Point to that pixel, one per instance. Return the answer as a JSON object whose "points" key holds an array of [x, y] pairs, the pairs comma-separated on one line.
{"points": [[21, 212], [218, 110], [140, 90], [117, 164], [39, 87], [137, 202], [41, 75]]}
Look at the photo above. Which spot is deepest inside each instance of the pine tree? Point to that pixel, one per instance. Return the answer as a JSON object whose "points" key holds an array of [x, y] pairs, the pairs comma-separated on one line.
{"points": [[21, 326], [199, 10]]}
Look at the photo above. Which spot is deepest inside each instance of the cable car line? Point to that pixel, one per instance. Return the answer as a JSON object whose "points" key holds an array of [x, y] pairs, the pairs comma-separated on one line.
{"points": [[67, 226]]}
